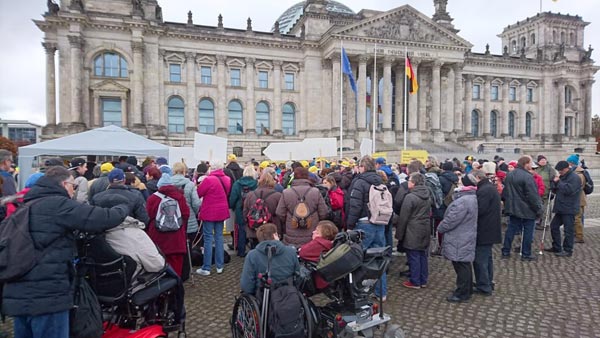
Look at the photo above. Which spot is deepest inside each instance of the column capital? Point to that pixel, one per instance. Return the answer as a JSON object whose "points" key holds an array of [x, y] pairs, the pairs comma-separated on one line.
{"points": [[137, 46], [363, 58], [190, 56], [561, 81], [76, 41], [488, 79], [301, 66], [250, 61], [437, 64], [388, 60], [507, 80], [277, 63], [469, 77], [326, 63], [415, 62], [221, 58], [335, 57], [458, 67], [50, 47]]}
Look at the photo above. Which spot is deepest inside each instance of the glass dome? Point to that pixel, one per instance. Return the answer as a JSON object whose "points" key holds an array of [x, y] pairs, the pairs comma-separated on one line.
{"points": [[288, 19]]}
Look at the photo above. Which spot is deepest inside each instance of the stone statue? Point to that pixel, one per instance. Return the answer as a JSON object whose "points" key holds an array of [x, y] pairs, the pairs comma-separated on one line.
{"points": [[220, 23], [158, 13], [52, 7], [505, 51], [77, 5], [249, 24], [190, 20], [588, 53], [137, 7], [561, 50], [276, 28], [487, 49]]}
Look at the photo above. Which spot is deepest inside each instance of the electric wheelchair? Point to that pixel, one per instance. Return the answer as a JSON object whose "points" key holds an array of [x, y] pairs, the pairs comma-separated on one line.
{"points": [[349, 311]]}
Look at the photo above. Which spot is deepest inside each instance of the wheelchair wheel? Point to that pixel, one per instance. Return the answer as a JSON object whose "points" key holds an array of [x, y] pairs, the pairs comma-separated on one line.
{"points": [[245, 320], [310, 316]]}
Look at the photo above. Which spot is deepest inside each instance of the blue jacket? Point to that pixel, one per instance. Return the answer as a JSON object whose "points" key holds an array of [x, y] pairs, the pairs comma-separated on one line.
{"points": [[568, 189], [9, 186], [284, 264]]}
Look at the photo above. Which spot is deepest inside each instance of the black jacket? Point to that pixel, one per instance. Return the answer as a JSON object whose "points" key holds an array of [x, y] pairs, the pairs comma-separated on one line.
{"points": [[98, 185], [520, 195], [237, 171], [48, 288], [400, 195], [413, 228], [447, 178], [568, 190], [489, 214], [137, 203], [359, 197]]}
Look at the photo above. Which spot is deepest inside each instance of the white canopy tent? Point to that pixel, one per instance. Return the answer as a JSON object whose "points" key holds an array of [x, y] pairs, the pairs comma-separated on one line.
{"points": [[110, 140]]}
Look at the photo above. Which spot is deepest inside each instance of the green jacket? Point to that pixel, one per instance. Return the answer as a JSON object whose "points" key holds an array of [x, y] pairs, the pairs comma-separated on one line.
{"points": [[236, 202], [548, 173]]}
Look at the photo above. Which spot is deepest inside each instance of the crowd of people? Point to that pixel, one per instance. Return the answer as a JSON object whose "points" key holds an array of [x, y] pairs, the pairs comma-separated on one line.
{"points": [[454, 208]]}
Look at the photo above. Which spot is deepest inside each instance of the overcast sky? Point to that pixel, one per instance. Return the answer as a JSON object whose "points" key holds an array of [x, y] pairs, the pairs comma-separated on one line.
{"points": [[22, 61]]}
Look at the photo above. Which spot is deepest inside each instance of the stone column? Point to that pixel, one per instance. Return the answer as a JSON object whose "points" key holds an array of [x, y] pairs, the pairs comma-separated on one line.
{"points": [[96, 112], [221, 110], [587, 116], [250, 118], [191, 110], [388, 134], [362, 92], [277, 108], [424, 84], [335, 91], [520, 125], [50, 83], [459, 94], [154, 102], [435, 95], [486, 106], [399, 89], [124, 112], [76, 43], [505, 108], [561, 107], [448, 120], [301, 116], [468, 105], [137, 95], [413, 107]]}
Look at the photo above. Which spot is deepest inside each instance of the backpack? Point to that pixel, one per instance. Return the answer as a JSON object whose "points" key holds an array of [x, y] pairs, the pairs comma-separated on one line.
{"points": [[17, 251], [301, 214], [333, 216], [380, 204], [259, 214], [286, 311], [432, 181], [450, 195], [341, 260], [168, 216], [588, 188], [86, 314]]}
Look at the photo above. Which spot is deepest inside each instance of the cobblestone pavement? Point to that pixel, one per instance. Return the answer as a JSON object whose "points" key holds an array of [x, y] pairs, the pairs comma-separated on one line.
{"points": [[553, 297]]}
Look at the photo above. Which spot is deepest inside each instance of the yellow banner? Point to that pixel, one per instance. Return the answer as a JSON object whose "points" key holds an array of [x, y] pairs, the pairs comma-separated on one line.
{"points": [[380, 154], [409, 155]]}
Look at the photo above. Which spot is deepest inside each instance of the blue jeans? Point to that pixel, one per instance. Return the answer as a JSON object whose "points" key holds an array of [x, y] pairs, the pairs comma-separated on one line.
{"points": [[52, 325], [569, 222], [212, 230], [516, 224], [483, 268], [374, 238], [419, 267]]}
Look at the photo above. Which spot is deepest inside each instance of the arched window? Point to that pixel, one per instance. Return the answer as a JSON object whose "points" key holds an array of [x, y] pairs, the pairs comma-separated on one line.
{"points": [[110, 64], [262, 119], [568, 95], [528, 124], [572, 39], [176, 115], [206, 116], [514, 46], [288, 120], [523, 42], [511, 123], [475, 123], [554, 38], [493, 123], [235, 125], [562, 37], [532, 38]]}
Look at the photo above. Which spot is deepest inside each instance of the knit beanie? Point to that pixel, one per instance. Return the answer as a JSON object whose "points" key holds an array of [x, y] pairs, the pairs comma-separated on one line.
{"points": [[165, 179]]}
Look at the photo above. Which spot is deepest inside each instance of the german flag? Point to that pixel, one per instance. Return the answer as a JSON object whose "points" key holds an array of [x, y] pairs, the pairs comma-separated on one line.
{"points": [[410, 74]]}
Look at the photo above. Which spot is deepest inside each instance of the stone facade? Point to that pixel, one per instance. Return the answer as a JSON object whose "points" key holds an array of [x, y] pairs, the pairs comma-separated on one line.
{"points": [[120, 63]]}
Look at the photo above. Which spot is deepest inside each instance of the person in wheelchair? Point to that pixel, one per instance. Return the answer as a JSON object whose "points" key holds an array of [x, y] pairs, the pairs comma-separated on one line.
{"points": [[284, 263], [322, 241]]}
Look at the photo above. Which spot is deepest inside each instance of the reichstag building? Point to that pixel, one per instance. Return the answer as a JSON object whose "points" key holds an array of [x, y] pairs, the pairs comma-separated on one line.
{"points": [[120, 64]]}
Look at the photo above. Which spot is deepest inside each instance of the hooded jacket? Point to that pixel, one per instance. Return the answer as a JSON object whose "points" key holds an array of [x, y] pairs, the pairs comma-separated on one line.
{"points": [[214, 189], [191, 198], [235, 198], [489, 214], [48, 288], [520, 195], [137, 205], [287, 205], [359, 197], [284, 264], [235, 168], [459, 226], [98, 185], [568, 189], [413, 228], [170, 243], [130, 239]]}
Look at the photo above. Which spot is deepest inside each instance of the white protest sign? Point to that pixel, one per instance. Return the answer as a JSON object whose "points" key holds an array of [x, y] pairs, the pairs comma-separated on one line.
{"points": [[318, 147], [183, 154], [366, 147], [210, 148]]}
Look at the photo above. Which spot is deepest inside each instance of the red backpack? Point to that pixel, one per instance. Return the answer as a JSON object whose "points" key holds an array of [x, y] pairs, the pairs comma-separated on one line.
{"points": [[259, 214]]}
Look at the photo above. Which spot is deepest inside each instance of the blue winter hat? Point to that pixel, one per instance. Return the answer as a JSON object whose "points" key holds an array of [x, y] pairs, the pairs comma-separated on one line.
{"points": [[116, 175], [165, 179], [573, 159], [165, 169], [32, 180]]}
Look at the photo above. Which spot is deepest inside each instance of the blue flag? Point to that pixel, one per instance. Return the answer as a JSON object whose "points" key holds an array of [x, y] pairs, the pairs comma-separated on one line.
{"points": [[346, 69]]}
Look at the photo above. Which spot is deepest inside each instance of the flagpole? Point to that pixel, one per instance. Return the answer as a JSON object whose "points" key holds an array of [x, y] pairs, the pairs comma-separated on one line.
{"points": [[341, 99], [374, 103], [405, 96]]}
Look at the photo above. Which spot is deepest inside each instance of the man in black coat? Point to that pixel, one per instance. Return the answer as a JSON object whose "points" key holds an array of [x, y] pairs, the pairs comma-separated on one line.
{"points": [[40, 300], [117, 187], [566, 206], [489, 232], [523, 204]]}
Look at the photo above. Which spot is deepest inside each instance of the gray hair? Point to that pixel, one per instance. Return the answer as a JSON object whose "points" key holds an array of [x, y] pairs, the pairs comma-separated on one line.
{"points": [[216, 165], [5, 155], [478, 174], [368, 163], [57, 174], [249, 171]]}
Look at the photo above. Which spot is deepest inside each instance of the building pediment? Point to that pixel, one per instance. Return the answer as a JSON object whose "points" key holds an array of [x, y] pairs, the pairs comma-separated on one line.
{"points": [[404, 24], [109, 86]]}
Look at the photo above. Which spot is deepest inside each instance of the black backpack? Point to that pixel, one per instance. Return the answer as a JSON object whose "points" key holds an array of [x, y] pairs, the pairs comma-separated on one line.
{"points": [[286, 312], [17, 251], [86, 315], [588, 188]]}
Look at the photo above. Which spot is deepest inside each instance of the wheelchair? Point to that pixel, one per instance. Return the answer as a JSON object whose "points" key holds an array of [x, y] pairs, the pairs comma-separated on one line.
{"points": [[145, 305]]}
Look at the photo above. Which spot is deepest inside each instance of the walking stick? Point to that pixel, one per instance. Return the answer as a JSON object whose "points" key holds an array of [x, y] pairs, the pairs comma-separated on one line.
{"points": [[547, 216]]}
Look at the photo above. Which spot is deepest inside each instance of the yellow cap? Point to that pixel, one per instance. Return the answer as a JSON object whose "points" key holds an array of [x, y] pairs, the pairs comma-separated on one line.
{"points": [[304, 163], [264, 164], [345, 164], [231, 157], [313, 169], [106, 167]]}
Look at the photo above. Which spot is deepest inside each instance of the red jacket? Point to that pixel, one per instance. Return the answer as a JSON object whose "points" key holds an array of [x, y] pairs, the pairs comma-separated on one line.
{"points": [[214, 191], [539, 181], [11, 202], [170, 243], [336, 197], [311, 252]]}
